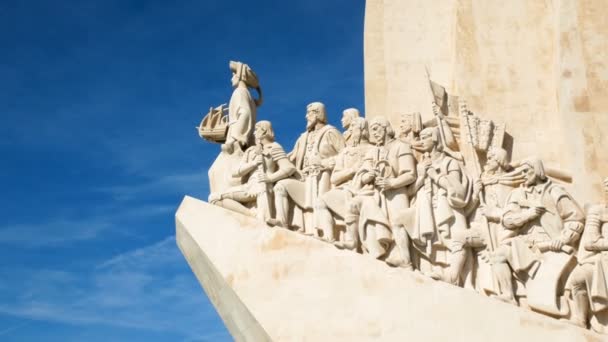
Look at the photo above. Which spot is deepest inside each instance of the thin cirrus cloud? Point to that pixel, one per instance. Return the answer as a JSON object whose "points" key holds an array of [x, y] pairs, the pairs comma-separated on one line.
{"points": [[139, 289], [195, 182], [56, 232]]}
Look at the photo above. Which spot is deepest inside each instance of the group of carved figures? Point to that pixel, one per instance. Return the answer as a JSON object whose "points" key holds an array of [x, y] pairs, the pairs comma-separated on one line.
{"points": [[404, 197]]}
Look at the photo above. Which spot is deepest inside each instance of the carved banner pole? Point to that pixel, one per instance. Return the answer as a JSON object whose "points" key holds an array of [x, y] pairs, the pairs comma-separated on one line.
{"points": [[474, 161]]}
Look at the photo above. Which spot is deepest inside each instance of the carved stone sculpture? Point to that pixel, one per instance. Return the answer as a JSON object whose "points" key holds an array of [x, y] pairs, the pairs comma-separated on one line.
{"points": [[438, 223], [588, 282], [332, 204], [410, 125], [348, 115], [240, 120], [242, 107], [387, 169], [313, 156], [548, 224], [497, 180], [262, 165], [440, 196]]}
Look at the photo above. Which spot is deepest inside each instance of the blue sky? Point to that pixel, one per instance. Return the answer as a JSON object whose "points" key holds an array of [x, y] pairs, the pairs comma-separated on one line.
{"points": [[98, 103]]}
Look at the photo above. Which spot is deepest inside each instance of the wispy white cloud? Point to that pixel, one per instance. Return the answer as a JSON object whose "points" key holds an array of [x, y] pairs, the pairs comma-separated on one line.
{"points": [[53, 233], [148, 288], [190, 182], [61, 231]]}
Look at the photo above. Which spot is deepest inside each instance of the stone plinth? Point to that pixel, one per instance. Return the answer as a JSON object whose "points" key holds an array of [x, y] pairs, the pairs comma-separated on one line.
{"points": [[276, 284], [538, 66]]}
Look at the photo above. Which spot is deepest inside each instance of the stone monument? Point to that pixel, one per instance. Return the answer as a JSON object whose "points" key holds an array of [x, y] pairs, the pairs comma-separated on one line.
{"points": [[431, 209]]}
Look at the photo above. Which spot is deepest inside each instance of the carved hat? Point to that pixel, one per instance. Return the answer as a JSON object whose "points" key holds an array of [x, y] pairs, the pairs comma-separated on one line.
{"points": [[501, 157], [246, 74], [434, 134], [537, 165]]}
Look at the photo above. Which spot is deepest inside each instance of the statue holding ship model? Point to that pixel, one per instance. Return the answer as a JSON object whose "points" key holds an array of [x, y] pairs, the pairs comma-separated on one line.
{"points": [[440, 197]]}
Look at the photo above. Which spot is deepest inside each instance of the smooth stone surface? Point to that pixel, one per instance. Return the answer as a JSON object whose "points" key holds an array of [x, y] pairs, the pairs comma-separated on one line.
{"points": [[540, 67], [301, 289]]}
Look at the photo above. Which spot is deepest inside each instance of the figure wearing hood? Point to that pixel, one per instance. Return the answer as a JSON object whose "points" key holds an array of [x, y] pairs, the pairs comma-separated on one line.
{"points": [[242, 108]]}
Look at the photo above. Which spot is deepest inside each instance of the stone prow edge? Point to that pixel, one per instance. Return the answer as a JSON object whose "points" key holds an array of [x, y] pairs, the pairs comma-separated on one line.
{"points": [[243, 325], [239, 321]]}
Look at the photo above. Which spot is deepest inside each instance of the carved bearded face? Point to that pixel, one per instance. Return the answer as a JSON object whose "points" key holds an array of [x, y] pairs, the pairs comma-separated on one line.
{"points": [[311, 117], [377, 134]]}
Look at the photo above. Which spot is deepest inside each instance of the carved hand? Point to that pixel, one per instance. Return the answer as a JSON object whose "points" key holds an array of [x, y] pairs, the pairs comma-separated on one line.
{"points": [[556, 245], [315, 161], [228, 147], [422, 168], [491, 213], [432, 173], [259, 160], [264, 178], [384, 183], [477, 186], [535, 212]]}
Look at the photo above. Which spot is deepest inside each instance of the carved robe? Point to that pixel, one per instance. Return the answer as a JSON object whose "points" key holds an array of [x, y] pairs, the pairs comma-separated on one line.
{"points": [[440, 212], [562, 220], [253, 190], [529, 254], [378, 208], [350, 158], [312, 180], [591, 273], [241, 117], [334, 202]]}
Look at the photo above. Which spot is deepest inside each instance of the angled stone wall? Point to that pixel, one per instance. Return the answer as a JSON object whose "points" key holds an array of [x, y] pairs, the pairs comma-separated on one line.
{"points": [[538, 66], [271, 283]]}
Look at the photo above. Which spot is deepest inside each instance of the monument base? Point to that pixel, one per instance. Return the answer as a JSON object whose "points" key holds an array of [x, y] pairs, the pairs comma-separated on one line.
{"points": [[274, 284]]}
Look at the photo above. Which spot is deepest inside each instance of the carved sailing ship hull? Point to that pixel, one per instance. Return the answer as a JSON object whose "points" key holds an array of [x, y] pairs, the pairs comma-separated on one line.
{"points": [[214, 126]]}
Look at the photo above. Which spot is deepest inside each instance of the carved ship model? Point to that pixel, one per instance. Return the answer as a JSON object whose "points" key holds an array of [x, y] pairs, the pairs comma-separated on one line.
{"points": [[214, 126]]}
